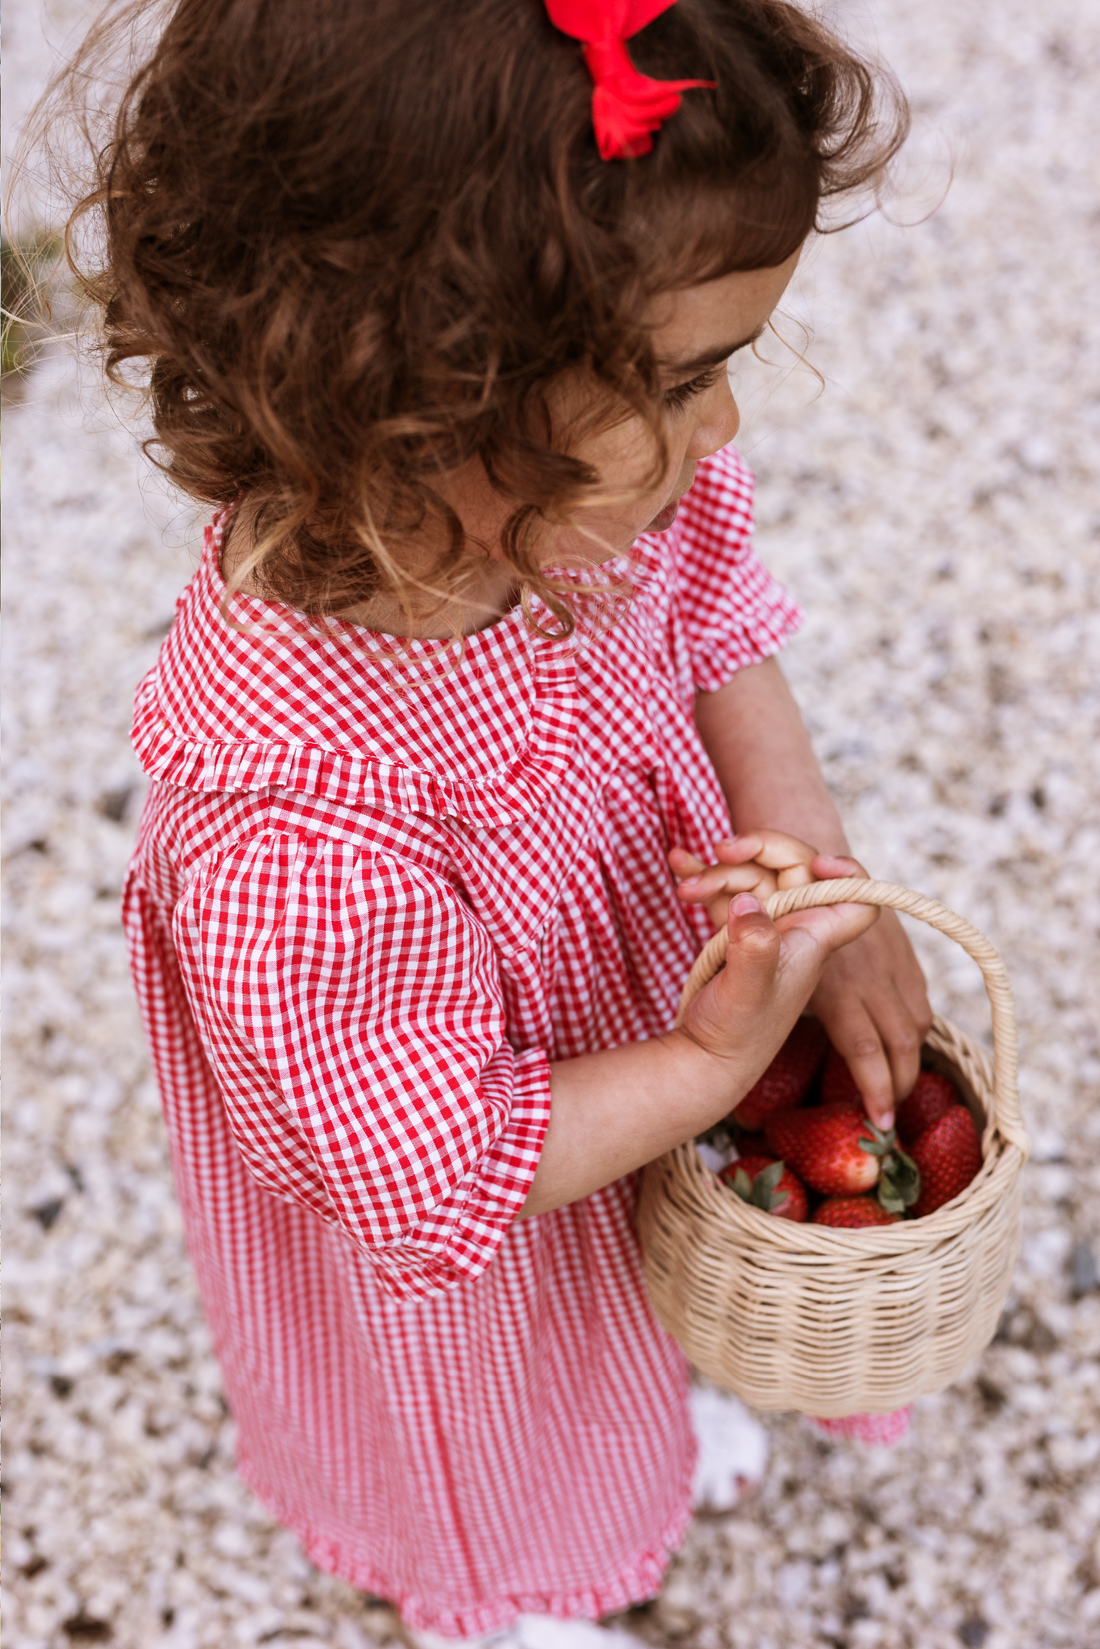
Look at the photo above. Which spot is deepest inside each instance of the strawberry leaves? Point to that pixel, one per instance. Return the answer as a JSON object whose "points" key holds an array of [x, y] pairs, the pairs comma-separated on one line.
{"points": [[899, 1176], [761, 1191]]}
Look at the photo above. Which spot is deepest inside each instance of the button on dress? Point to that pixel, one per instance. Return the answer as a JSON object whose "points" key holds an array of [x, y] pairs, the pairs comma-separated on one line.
{"points": [[373, 896]]}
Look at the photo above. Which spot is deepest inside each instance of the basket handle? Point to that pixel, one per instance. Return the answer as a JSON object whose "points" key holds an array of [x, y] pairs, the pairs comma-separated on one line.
{"points": [[1006, 1117]]}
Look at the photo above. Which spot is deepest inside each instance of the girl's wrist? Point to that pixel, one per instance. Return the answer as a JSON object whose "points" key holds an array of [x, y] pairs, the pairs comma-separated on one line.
{"points": [[719, 1081]]}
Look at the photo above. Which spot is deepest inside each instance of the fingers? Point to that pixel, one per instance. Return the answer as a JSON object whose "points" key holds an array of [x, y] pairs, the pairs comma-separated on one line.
{"points": [[796, 862], [901, 1040], [767, 851], [684, 863], [714, 885], [773, 848], [855, 1037], [822, 867], [738, 1005], [842, 923], [734, 850], [827, 867], [736, 872], [752, 954], [832, 926], [872, 1002], [726, 879], [907, 972], [794, 876]]}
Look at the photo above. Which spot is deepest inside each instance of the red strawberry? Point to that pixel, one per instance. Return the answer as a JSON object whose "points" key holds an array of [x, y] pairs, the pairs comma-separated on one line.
{"points": [[786, 1081], [824, 1148], [753, 1145], [756, 1182], [841, 1154], [932, 1098], [948, 1155], [853, 1212], [838, 1083]]}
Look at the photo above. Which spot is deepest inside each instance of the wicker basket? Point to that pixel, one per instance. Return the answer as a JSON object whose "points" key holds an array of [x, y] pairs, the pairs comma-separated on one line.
{"points": [[836, 1322]]}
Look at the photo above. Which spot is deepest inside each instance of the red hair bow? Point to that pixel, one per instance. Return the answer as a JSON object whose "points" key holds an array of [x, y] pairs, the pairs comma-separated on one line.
{"points": [[627, 107]]}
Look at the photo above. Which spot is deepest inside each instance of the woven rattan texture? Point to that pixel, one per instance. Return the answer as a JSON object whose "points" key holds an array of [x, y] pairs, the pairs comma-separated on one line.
{"points": [[835, 1322]]}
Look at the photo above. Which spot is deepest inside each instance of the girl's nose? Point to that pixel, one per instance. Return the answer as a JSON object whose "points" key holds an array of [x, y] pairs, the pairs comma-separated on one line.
{"points": [[719, 423]]}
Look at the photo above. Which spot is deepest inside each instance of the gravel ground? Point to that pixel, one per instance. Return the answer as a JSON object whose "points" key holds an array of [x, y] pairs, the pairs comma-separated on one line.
{"points": [[936, 511]]}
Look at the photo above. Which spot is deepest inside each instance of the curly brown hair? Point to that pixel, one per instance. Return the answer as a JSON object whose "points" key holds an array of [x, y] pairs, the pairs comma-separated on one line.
{"points": [[356, 244]]}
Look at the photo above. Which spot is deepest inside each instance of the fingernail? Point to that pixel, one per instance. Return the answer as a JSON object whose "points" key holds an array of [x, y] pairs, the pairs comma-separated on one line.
{"points": [[829, 858], [690, 881], [886, 1121], [745, 904]]}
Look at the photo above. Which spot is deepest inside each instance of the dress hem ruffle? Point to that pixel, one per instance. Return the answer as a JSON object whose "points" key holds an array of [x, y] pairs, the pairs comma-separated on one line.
{"points": [[636, 1583]]}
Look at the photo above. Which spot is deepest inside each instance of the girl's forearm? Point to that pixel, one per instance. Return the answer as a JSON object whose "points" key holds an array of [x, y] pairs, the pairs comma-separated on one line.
{"points": [[754, 734], [613, 1112]]}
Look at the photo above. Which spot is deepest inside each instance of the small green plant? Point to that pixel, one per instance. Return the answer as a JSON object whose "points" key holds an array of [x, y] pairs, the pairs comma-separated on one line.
{"points": [[25, 268]]}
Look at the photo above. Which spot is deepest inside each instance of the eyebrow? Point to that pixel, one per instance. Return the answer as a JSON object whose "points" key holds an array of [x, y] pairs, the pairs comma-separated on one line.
{"points": [[712, 357]]}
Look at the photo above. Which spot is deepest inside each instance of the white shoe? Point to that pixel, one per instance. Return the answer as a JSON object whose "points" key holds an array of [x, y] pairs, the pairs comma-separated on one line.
{"points": [[733, 1449], [507, 1638], [534, 1632], [544, 1632]]}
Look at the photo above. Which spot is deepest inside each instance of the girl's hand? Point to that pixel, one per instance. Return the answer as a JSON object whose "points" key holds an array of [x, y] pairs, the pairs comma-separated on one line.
{"points": [[772, 970], [757, 864], [613, 1111], [871, 998]]}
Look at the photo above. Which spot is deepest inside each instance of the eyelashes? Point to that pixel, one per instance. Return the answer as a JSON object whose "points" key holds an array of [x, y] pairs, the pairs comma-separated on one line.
{"points": [[679, 397]]}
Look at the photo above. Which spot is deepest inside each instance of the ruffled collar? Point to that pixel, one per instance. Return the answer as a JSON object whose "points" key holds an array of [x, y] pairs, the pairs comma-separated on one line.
{"points": [[263, 699]]}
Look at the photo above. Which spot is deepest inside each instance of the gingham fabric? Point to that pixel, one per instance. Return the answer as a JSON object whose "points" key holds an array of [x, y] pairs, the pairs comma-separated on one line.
{"points": [[885, 1429], [369, 903]]}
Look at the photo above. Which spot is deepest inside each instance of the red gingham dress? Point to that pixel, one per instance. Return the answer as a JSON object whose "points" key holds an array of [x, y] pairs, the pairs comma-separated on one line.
{"points": [[367, 906]]}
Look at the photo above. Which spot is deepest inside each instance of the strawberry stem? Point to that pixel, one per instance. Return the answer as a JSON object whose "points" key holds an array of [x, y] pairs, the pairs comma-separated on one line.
{"points": [[899, 1182], [880, 1144]]}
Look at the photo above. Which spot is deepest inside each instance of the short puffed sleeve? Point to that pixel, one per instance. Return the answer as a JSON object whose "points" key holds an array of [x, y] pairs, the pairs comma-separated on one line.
{"points": [[351, 1009], [732, 611]]}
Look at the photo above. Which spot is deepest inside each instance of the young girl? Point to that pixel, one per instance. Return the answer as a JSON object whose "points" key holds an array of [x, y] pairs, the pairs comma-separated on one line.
{"points": [[445, 745]]}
